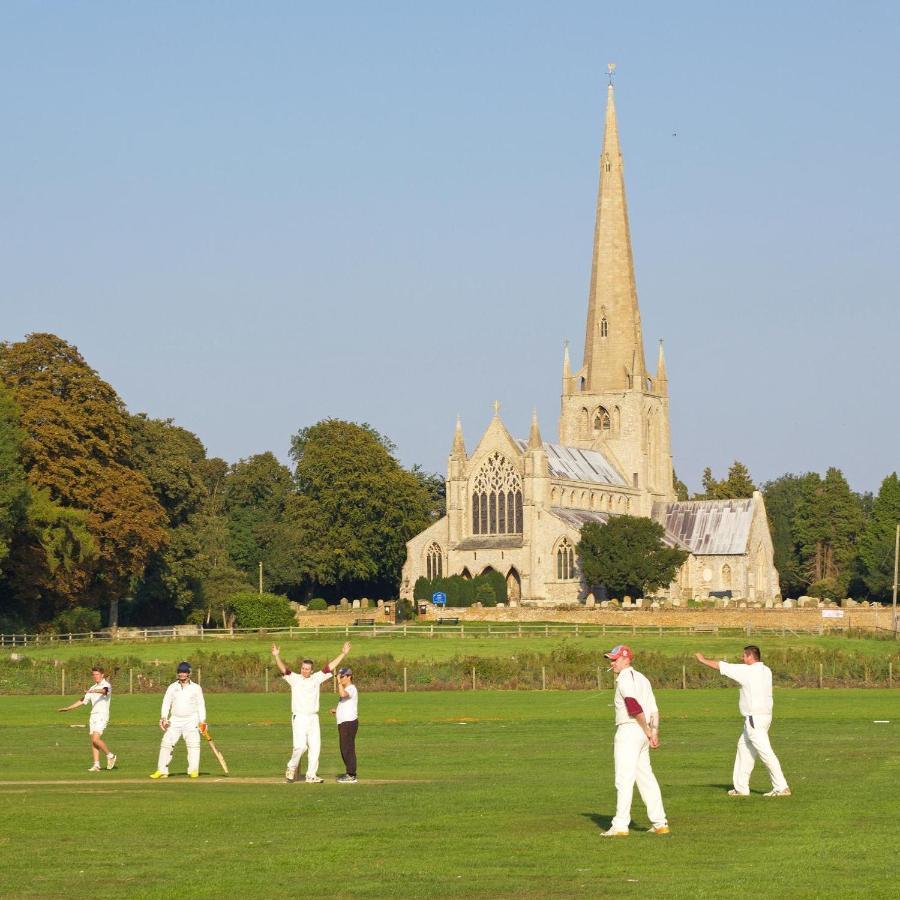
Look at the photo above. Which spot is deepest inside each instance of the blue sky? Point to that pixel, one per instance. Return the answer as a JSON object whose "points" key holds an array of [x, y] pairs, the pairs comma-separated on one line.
{"points": [[249, 217]]}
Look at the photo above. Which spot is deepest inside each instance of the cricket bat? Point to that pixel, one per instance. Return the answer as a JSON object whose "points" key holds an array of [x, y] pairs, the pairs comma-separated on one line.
{"points": [[216, 752]]}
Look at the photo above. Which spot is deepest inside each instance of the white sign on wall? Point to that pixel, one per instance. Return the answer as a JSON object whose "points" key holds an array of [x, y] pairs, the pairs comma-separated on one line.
{"points": [[832, 614]]}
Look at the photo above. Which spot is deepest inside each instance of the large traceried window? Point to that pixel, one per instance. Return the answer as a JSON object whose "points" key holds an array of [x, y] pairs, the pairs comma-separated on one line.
{"points": [[565, 561], [497, 497], [434, 561]]}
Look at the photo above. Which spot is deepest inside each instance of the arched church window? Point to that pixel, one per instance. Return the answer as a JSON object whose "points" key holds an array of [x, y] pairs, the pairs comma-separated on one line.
{"points": [[602, 421], [434, 561], [584, 423], [565, 560], [604, 327], [497, 497]]}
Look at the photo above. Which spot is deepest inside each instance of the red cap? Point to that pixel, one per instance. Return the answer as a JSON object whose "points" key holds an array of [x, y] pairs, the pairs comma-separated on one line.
{"points": [[620, 650]]}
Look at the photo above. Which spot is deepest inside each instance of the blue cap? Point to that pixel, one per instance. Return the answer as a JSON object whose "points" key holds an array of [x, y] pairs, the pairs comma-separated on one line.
{"points": [[184, 667]]}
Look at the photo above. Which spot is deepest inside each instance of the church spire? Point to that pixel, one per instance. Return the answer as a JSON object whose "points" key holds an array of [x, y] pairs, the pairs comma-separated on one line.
{"points": [[535, 441], [613, 345], [661, 384], [459, 445]]}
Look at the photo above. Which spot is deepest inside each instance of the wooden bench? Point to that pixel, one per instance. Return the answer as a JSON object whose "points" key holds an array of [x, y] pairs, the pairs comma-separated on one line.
{"points": [[453, 620], [363, 621], [705, 629]]}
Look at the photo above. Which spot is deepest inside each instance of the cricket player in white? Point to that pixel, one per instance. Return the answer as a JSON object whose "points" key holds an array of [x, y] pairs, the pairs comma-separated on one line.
{"points": [[305, 712], [637, 730], [755, 704], [183, 714], [98, 697]]}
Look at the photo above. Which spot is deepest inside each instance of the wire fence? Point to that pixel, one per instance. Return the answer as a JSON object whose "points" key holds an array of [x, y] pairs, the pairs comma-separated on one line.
{"points": [[563, 668]]}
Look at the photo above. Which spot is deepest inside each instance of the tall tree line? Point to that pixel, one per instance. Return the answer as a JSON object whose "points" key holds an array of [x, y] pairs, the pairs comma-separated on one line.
{"points": [[828, 540], [100, 507]]}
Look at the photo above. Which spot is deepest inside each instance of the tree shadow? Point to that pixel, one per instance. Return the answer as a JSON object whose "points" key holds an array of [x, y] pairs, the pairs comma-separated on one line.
{"points": [[604, 823]]}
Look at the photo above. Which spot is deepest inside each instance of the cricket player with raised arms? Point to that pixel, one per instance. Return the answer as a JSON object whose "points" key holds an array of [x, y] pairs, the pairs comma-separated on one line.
{"points": [[98, 696], [305, 712], [183, 714], [755, 704], [637, 731]]}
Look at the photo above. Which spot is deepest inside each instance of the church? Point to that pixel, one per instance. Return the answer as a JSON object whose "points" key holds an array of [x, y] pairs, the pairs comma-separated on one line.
{"points": [[517, 505]]}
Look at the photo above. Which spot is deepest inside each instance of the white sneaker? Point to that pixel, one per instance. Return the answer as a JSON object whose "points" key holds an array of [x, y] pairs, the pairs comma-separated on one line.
{"points": [[94, 768], [111, 761], [290, 774], [786, 792], [314, 779], [613, 833], [734, 793]]}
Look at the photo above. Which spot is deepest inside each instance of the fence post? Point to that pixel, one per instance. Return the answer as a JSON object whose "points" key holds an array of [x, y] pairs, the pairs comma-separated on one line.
{"points": [[267, 679], [473, 678], [683, 677], [432, 629], [546, 631], [520, 629], [404, 680], [599, 685], [543, 678], [131, 681], [63, 689], [576, 629], [890, 673], [820, 674]]}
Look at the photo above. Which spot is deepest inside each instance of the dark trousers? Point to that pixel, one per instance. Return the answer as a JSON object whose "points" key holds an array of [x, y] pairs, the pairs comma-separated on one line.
{"points": [[347, 733]]}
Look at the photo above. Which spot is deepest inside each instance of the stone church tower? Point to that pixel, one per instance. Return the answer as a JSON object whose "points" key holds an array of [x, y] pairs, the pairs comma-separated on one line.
{"points": [[611, 403], [517, 506]]}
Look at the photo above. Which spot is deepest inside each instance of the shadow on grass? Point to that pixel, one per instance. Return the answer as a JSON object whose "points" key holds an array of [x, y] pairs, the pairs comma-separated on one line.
{"points": [[604, 823]]}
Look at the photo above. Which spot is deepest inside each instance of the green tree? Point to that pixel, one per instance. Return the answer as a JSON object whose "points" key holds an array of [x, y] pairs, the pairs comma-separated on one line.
{"points": [[876, 544], [174, 462], [257, 492], [355, 506], [738, 484], [77, 447], [13, 483], [628, 556], [782, 497], [827, 524], [681, 489]]}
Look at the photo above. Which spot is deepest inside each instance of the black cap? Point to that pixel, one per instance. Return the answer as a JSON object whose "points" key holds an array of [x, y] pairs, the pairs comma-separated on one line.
{"points": [[184, 667]]}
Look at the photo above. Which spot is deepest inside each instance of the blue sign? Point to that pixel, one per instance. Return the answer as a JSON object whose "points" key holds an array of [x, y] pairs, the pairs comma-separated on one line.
{"points": [[439, 598]]}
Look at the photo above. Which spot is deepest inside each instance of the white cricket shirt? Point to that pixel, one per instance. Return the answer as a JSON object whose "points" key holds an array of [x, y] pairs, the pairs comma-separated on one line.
{"points": [[184, 701], [98, 700], [756, 687], [630, 683], [305, 691], [348, 707]]}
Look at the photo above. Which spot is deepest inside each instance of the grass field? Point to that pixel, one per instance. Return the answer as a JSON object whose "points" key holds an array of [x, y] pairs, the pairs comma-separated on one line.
{"points": [[488, 794], [443, 647]]}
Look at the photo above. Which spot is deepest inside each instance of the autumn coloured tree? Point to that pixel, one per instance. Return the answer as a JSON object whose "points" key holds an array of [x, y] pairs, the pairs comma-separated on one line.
{"points": [[77, 448]]}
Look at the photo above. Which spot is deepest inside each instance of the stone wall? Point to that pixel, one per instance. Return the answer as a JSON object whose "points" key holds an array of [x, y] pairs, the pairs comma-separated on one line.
{"points": [[797, 619]]}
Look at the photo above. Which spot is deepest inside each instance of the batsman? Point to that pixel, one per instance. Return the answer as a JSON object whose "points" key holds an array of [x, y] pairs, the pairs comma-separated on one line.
{"points": [[183, 714]]}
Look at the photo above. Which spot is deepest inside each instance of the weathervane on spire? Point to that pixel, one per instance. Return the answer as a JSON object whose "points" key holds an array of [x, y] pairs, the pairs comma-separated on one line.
{"points": [[610, 71]]}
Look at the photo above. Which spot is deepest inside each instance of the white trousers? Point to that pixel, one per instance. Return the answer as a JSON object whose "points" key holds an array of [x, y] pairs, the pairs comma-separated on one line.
{"points": [[631, 751], [179, 727], [306, 736], [754, 744]]}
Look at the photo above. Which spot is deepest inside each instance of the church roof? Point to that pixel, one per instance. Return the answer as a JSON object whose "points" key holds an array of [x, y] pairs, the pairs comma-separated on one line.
{"points": [[575, 464], [578, 517], [708, 527]]}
